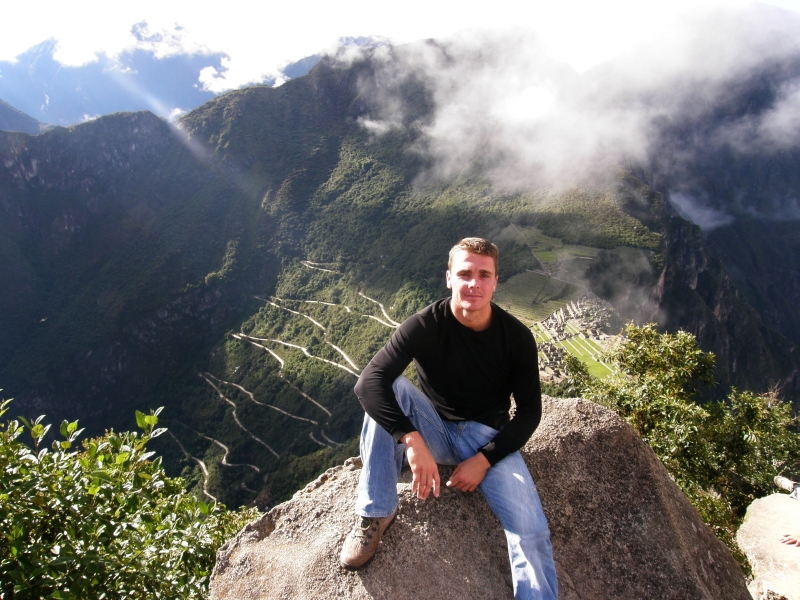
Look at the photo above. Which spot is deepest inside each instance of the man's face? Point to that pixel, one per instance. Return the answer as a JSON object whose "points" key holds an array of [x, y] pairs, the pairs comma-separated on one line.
{"points": [[473, 280]]}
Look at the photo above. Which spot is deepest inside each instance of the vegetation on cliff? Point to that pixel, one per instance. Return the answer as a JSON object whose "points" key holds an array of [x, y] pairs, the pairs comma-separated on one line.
{"points": [[723, 454], [101, 520]]}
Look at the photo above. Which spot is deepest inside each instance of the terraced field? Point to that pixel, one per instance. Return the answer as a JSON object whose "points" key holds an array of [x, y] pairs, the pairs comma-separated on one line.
{"points": [[551, 251], [532, 296], [588, 351]]}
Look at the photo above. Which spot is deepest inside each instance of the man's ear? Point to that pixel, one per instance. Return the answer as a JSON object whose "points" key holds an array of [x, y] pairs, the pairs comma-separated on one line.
{"points": [[447, 279]]}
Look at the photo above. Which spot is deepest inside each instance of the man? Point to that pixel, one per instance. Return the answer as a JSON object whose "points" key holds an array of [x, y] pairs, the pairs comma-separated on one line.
{"points": [[470, 356]]}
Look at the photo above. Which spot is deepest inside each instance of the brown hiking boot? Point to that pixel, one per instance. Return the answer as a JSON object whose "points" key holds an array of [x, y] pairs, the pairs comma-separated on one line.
{"points": [[362, 542]]}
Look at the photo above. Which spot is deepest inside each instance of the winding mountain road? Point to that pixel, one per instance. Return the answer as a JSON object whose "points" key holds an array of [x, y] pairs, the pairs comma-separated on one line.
{"points": [[303, 349], [224, 462], [246, 338], [236, 417], [311, 435], [383, 310], [294, 312], [381, 321], [312, 265], [332, 443], [272, 406], [199, 462]]}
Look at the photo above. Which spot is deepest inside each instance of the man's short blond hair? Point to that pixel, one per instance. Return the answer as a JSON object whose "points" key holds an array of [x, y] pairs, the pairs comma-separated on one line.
{"points": [[475, 245]]}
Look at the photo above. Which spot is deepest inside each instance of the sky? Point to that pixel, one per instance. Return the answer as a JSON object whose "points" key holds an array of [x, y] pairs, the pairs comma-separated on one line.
{"points": [[259, 40]]}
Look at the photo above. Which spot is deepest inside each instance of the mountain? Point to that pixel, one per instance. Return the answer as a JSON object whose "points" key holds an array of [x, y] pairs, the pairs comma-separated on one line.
{"points": [[240, 266], [744, 197], [12, 119], [293, 552], [135, 80]]}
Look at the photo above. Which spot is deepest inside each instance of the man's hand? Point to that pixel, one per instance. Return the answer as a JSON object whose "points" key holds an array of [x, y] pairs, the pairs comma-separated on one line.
{"points": [[793, 539], [468, 475], [424, 468]]}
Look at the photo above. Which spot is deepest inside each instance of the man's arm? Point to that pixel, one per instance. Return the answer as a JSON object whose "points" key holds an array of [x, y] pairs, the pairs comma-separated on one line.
{"points": [[374, 391], [527, 393], [374, 386], [467, 476], [423, 467]]}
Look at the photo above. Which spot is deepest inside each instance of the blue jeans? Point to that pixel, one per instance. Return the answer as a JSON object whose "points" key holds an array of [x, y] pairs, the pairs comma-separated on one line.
{"points": [[507, 487]]}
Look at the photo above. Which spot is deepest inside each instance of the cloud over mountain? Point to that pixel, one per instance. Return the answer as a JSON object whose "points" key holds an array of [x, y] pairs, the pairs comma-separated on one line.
{"points": [[725, 81]]}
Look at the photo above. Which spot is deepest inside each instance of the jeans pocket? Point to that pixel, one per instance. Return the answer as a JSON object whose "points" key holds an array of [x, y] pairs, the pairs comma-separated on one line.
{"points": [[476, 435]]}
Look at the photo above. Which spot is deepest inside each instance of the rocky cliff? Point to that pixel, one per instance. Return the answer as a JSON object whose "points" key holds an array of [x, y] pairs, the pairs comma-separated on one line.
{"points": [[620, 528], [695, 293]]}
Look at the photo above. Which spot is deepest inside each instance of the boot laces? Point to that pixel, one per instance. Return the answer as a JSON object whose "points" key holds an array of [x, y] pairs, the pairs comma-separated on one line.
{"points": [[363, 528]]}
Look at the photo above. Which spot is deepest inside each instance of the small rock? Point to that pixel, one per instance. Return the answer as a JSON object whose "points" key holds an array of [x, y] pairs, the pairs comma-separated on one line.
{"points": [[776, 566]]}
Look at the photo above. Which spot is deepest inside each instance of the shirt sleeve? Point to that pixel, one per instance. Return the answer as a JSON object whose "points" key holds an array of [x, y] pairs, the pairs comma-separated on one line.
{"points": [[374, 386], [528, 399]]}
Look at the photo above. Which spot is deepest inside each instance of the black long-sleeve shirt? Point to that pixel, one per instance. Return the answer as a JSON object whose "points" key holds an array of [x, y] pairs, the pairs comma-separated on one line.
{"points": [[468, 375]]}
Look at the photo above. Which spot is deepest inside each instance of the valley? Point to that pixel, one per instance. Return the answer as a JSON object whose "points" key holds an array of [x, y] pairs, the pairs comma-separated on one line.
{"points": [[287, 374], [240, 269]]}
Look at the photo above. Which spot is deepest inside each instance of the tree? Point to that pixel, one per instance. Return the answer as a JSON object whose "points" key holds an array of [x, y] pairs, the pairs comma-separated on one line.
{"points": [[102, 521], [723, 455]]}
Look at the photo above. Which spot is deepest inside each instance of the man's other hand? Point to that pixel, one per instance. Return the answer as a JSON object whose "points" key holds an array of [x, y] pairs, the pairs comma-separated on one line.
{"points": [[468, 475], [424, 468]]}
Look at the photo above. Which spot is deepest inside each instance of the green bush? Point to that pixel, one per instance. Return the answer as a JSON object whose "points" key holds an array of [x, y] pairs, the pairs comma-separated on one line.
{"points": [[723, 455], [102, 521]]}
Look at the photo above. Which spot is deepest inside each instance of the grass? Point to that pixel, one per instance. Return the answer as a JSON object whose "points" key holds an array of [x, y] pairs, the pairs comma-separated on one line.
{"points": [[540, 334], [546, 256], [585, 350], [550, 250], [576, 251]]}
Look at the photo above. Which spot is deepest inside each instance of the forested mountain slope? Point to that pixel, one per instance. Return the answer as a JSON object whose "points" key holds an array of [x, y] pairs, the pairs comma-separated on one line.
{"points": [[13, 119], [242, 268]]}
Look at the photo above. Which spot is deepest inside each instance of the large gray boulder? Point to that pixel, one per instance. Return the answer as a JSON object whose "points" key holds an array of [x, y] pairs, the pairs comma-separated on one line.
{"points": [[620, 528], [776, 566]]}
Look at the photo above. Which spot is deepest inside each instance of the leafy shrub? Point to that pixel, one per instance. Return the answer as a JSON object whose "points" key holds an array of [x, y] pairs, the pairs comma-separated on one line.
{"points": [[103, 521], [723, 455]]}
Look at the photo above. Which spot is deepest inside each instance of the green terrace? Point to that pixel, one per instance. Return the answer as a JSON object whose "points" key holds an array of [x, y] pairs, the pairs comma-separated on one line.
{"points": [[585, 349], [533, 296]]}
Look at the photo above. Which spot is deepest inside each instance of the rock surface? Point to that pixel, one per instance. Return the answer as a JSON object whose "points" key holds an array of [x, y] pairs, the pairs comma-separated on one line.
{"points": [[776, 566], [620, 528]]}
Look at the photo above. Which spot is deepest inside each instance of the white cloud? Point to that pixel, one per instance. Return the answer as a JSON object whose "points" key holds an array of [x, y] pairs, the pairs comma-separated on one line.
{"points": [[777, 128], [176, 113], [262, 38], [507, 104], [697, 211]]}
